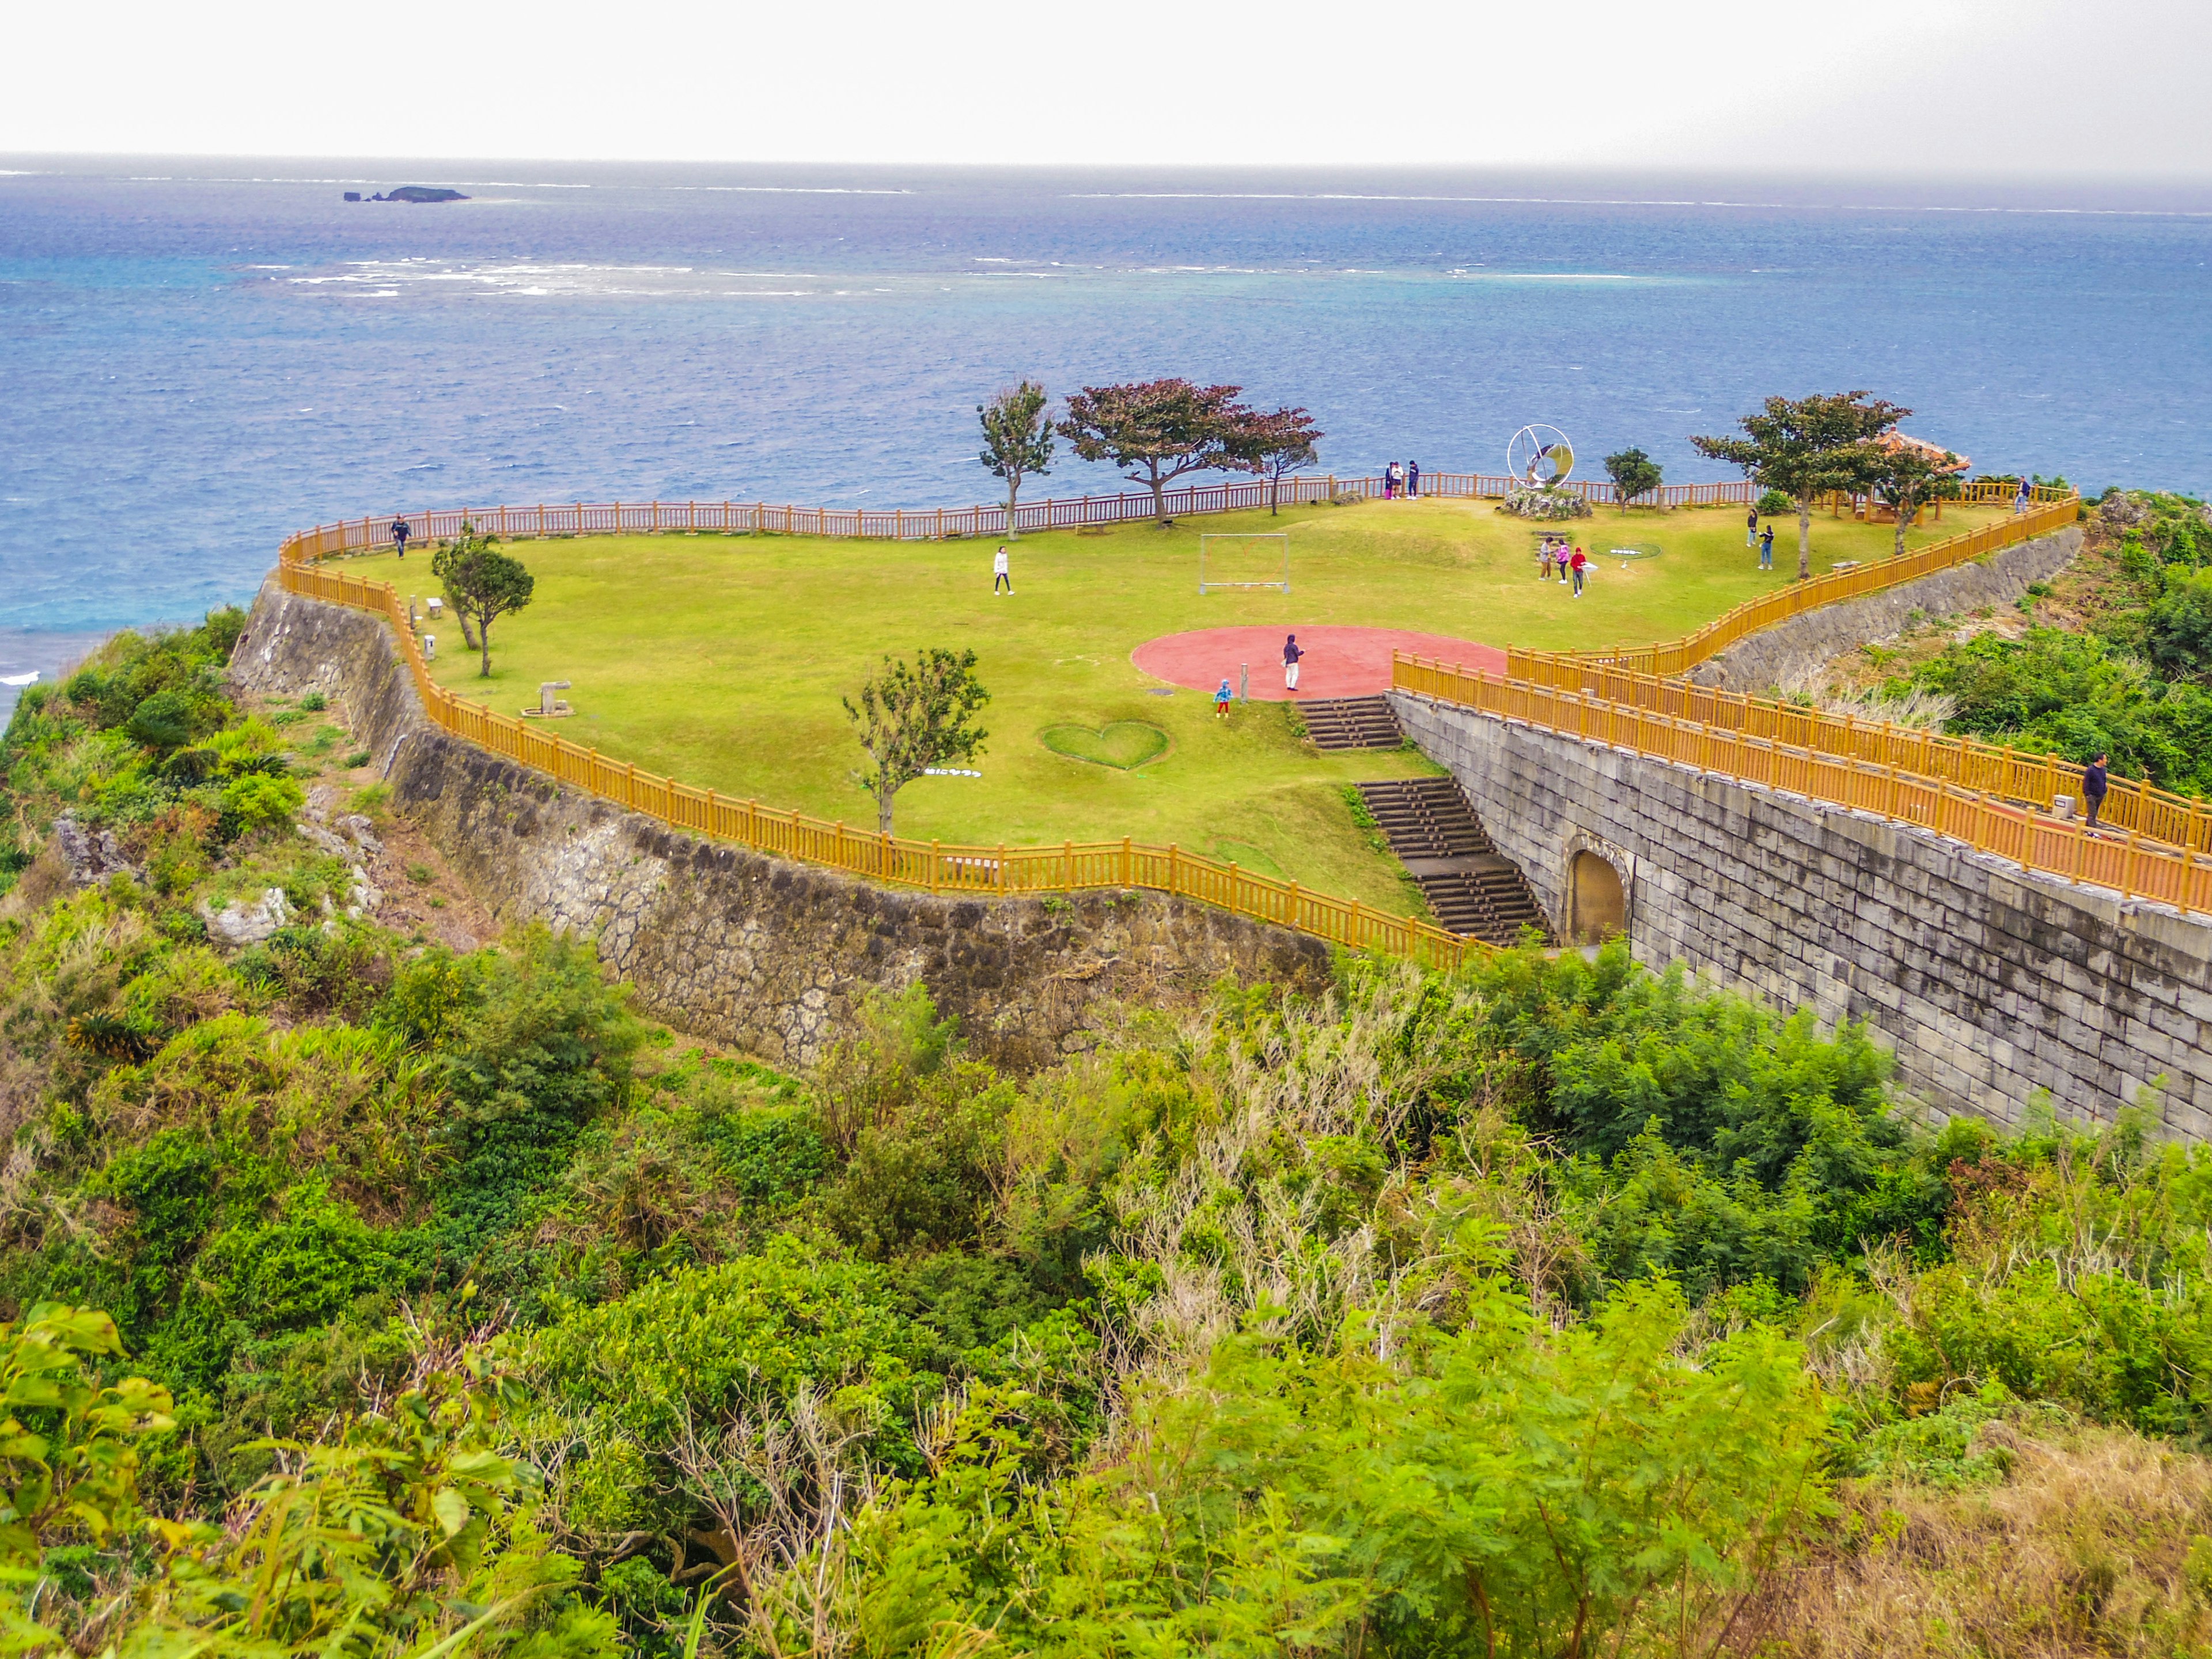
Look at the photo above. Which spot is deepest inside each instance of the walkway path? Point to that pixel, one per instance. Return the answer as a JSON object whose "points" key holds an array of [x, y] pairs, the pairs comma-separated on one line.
{"points": [[1340, 662]]}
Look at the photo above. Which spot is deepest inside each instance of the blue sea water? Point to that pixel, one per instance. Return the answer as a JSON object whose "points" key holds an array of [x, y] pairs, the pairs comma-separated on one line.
{"points": [[196, 358]]}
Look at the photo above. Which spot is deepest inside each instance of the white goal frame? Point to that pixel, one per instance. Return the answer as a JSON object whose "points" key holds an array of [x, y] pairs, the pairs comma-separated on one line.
{"points": [[1206, 540]]}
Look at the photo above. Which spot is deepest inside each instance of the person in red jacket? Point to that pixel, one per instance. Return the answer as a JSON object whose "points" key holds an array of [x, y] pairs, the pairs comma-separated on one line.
{"points": [[1577, 564]]}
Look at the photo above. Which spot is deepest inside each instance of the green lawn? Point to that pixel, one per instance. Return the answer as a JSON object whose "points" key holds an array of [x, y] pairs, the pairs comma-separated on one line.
{"points": [[721, 660]]}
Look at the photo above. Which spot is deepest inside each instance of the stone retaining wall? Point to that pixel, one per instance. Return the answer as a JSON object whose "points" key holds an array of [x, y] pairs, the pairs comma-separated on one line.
{"points": [[1803, 644], [770, 957], [1987, 981]]}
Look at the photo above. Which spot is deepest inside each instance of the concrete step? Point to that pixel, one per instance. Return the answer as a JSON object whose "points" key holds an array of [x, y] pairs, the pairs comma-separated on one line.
{"points": [[1471, 888], [1337, 723]]}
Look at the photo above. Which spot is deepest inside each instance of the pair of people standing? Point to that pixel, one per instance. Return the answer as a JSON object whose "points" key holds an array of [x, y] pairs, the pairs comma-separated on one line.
{"points": [[1763, 540], [1401, 481]]}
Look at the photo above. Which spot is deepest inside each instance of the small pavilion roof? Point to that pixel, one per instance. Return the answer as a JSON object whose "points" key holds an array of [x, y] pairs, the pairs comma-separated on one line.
{"points": [[1933, 451]]}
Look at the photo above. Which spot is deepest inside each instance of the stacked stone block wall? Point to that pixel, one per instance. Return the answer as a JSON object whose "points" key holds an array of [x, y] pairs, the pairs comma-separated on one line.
{"points": [[1775, 656], [1989, 983]]}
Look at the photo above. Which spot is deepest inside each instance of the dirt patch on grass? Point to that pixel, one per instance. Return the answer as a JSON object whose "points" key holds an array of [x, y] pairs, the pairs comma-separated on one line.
{"points": [[423, 899]]}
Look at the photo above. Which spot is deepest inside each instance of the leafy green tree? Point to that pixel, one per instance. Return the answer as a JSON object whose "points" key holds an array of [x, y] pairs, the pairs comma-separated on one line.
{"points": [[1157, 431], [1017, 442], [1633, 473], [1807, 446], [912, 717], [1276, 444], [1906, 477], [482, 584], [2179, 627]]}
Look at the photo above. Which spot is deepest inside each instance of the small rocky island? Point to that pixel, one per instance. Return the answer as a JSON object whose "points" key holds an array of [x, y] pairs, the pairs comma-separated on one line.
{"points": [[412, 193]]}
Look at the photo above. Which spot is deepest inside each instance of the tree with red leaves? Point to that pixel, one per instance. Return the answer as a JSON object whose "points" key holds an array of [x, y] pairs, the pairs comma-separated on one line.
{"points": [[1156, 431], [1276, 444]]}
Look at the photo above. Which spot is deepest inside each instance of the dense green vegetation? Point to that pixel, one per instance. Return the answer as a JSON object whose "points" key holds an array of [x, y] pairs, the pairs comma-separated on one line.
{"points": [[2118, 657], [370, 1297]]}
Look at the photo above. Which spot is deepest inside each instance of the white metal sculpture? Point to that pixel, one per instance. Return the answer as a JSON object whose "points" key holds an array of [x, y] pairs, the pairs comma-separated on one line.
{"points": [[1539, 457]]}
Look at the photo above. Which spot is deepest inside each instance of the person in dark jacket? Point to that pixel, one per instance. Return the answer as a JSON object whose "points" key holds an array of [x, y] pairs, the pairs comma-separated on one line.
{"points": [[1767, 548], [1412, 480], [2095, 782], [1751, 526], [1291, 652], [400, 532]]}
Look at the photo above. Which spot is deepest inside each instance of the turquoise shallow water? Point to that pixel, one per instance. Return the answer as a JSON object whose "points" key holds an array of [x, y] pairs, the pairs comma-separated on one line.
{"points": [[196, 358]]}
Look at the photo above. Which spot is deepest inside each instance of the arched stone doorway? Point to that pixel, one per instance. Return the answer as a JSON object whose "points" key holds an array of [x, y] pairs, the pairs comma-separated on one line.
{"points": [[1597, 909]]}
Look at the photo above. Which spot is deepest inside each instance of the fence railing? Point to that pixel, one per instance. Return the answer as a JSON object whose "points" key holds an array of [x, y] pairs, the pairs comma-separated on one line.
{"points": [[2037, 780], [939, 867], [373, 533], [2132, 865], [1566, 669], [2029, 780]]}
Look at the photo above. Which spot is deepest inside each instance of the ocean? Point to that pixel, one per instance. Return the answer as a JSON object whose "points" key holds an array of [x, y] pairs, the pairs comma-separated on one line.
{"points": [[199, 357]]}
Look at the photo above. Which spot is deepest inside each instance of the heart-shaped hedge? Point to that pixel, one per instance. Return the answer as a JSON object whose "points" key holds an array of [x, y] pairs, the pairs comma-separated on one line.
{"points": [[1124, 744]]}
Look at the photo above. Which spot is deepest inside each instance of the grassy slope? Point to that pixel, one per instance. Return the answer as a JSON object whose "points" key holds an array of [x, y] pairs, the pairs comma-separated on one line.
{"points": [[721, 660]]}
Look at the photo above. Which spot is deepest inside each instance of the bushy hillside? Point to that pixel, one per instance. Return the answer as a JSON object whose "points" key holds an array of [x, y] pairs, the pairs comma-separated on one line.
{"points": [[2114, 655], [372, 1295]]}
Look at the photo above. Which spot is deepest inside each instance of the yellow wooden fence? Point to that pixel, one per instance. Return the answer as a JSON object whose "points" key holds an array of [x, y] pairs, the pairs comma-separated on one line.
{"points": [[1566, 669], [2131, 865], [937, 867], [1988, 769]]}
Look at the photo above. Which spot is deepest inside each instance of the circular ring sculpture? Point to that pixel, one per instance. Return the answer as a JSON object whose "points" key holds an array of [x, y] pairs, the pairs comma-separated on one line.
{"points": [[1539, 457]]}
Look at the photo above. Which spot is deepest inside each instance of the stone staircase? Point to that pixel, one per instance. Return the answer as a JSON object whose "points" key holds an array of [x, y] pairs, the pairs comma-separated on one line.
{"points": [[1472, 888], [1335, 723]]}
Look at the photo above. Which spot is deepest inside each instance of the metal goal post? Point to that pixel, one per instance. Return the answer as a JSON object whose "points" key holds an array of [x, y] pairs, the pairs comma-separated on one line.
{"points": [[1242, 566]]}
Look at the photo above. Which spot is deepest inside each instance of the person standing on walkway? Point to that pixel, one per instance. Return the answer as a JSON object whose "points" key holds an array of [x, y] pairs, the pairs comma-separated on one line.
{"points": [[1767, 548], [1291, 652], [1576, 564], [2019, 501], [2095, 780], [1751, 526], [1413, 481], [1002, 574], [400, 532]]}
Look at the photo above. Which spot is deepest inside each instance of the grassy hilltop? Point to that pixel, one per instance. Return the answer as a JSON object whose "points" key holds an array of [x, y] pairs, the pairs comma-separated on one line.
{"points": [[721, 660]]}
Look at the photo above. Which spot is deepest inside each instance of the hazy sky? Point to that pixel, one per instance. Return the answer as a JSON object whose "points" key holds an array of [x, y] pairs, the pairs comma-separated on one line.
{"points": [[1938, 86]]}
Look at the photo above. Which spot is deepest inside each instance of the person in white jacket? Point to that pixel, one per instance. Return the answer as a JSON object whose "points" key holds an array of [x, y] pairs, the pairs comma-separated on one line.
{"points": [[1002, 576]]}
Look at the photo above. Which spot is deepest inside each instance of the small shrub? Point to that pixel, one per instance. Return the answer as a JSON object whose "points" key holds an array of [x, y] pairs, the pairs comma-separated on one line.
{"points": [[358, 757], [259, 800], [314, 702], [1773, 504]]}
